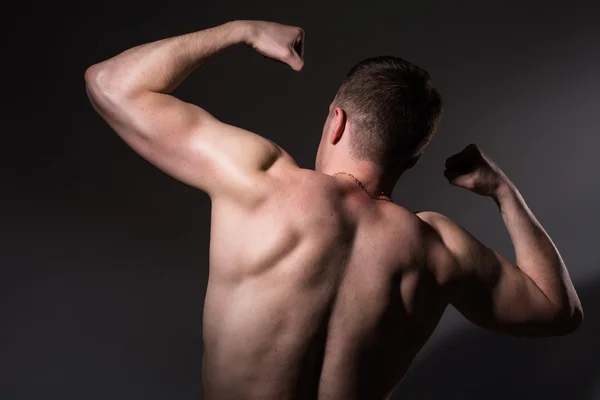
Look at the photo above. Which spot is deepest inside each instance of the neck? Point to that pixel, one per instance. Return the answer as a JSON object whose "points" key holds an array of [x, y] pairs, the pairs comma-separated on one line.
{"points": [[372, 177]]}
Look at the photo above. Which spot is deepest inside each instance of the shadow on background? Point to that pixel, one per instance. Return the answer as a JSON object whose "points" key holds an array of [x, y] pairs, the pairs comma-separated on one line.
{"points": [[467, 366]]}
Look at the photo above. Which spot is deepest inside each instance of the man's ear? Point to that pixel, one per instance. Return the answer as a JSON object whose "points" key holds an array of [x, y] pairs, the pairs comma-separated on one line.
{"points": [[338, 125]]}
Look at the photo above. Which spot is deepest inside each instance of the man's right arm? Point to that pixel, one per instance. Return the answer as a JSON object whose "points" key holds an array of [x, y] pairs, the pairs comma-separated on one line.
{"points": [[535, 297]]}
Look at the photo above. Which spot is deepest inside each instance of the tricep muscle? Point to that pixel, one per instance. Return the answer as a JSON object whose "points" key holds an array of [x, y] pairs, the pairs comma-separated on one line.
{"points": [[488, 289], [185, 141]]}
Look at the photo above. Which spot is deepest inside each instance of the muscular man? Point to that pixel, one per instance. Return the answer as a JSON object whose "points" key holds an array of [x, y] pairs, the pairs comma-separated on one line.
{"points": [[320, 286]]}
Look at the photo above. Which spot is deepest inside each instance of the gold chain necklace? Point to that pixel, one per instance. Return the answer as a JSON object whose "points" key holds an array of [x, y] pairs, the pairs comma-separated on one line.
{"points": [[364, 188]]}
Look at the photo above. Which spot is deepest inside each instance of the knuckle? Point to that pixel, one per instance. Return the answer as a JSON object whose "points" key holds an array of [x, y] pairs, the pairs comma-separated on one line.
{"points": [[472, 148]]}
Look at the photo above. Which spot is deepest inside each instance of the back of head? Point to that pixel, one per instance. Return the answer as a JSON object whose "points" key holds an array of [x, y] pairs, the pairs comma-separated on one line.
{"points": [[394, 110]]}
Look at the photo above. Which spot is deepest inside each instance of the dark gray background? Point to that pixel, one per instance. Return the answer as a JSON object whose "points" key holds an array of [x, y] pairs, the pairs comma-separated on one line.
{"points": [[104, 258]]}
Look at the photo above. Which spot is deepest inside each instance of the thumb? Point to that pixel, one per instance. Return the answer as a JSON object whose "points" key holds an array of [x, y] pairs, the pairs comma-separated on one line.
{"points": [[296, 62], [297, 49]]}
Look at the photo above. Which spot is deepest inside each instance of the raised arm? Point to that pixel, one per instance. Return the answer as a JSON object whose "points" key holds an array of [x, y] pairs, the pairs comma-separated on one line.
{"points": [[131, 91], [535, 297]]}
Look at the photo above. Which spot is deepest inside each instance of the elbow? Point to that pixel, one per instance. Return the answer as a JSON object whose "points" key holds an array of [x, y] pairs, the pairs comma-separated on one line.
{"points": [[92, 89], [95, 78], [102, 84], [90, 75], [569, 321]]}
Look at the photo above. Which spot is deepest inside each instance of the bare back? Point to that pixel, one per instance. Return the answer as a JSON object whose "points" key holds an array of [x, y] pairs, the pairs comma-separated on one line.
{"points": [[316, 292]]}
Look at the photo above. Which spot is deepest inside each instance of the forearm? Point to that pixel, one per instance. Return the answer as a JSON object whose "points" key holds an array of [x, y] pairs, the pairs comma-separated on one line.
{"points": [[162, 65], [536, 254]]}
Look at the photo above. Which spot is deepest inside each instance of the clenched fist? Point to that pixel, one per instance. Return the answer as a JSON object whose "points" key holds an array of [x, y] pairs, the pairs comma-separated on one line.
{"points": [[283, 43], [473, 170]]}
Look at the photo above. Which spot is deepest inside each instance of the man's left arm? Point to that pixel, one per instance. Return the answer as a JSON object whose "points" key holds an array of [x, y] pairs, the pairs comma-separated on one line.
{"points": [[131, 91]]}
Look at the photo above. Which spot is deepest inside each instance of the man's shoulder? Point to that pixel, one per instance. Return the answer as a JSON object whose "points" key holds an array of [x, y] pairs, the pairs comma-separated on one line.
{"points": [[437, 231], [269, 181], [440, 230], [284, 163], [421, 221], [430, 216], [436, 221]]}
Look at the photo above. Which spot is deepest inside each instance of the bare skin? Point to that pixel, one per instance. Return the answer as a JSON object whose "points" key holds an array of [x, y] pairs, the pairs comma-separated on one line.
{"points": [[316, 289]]}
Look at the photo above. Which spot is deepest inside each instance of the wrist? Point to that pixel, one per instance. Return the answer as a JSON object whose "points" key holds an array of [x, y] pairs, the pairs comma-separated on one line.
{"points": [[241, 31], [504, 190]]}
